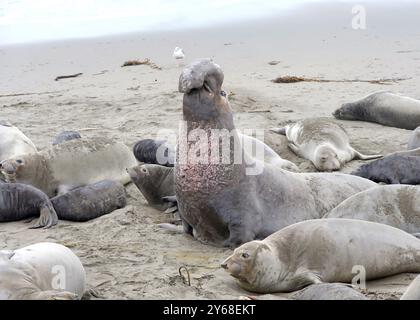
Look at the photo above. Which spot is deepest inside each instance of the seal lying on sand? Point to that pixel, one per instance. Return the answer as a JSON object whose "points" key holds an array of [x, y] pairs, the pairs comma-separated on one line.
{"points": [[70, 165], [42, 271], [13, 142], [227, 204], [322, 141], [322, 250], [21, 201], [383, 107], [413, 290], [414, 141], [328, 291], [66, 136], [394, 205], [397, 168]]}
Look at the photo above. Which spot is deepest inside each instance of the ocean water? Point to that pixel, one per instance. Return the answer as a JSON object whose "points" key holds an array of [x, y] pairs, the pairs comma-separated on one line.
{"points": [[24, 21]]}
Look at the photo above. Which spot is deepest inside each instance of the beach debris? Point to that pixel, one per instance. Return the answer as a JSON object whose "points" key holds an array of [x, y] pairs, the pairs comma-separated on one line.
{"points": [[259, 111], [183, 277], [294, 79], [274, 62], [68, 76], [30, 93], [146, 62], [178, 53]]}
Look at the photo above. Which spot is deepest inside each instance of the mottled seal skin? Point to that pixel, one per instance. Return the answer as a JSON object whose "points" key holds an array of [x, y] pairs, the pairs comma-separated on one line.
{"points": [[328, 291], [385, 108], [91, 201], [225, 204], [31, 273], [322, 250], [20, 201], [413, 290], [392, 169], [414, 140], [69, 165], [155, 182], [66, 136], [155, 152], [322, 141], [394, 205], [13, 142]]}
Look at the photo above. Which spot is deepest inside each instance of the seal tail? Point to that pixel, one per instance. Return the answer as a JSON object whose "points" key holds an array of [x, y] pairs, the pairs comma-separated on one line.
{"points": [[361, 156], [281, 130]]}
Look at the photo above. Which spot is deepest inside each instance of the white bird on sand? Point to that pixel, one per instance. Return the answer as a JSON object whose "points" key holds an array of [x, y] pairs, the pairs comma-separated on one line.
{"points": [[178, 53]]}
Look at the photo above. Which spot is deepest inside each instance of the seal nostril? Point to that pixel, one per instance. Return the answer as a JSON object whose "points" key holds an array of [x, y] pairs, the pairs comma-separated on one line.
{"points": [[224, 265]]}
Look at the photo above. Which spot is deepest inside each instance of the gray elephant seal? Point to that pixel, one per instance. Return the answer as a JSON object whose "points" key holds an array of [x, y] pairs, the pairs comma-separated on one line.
{"points": [[385, 108], [414, 140], [91, 201], [66, 136], [155, 152], [69, 165], [20, 201], [328, 291], [322, 141], [42, 271], [413, 290], [393, 169], [233, 202], [394, 205], [322, 250], [13, 142]]}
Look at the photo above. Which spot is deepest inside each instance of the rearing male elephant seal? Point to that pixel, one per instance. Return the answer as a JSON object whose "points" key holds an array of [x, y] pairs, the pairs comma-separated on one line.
{"points": [[70, 165], [21, 201], [323, 250], [383, 107], [13, 142], [414, 140], [322, 141], [42, 271], [227, 203]]}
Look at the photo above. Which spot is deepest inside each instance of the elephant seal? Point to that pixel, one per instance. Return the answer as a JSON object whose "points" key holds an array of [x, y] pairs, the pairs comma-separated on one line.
{"points": [[13, 142], [42, 271], [414, 140], [66, 136], [21, 201], [322, 141], [394, 205], [328, 291], [385, 108], [242, 199], [70, 165], [322, 250], [393, 169], [155, 152], [413, 290], [155, 182], [91, 201]]}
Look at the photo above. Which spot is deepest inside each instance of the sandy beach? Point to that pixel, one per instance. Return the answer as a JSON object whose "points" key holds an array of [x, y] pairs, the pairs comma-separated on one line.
{"points": [[125, 254]]}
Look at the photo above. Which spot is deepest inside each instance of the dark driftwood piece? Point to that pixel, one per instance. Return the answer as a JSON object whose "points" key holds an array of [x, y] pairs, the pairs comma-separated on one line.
{"points": [[68, 76]]}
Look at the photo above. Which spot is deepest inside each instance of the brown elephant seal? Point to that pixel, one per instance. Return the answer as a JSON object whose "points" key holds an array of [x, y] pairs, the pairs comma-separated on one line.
{"points": [[91, 201], [227, 203], [413, 290], [322, 250], [42, 271], [66, 136], [414, 140], [394, 205], [322, 141], [385, 108], [69, 165], [13, 142], [328, 291], [21, 201]]}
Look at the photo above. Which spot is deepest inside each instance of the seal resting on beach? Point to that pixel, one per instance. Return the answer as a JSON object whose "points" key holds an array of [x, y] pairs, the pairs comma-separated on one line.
{"points": [[13, 142], [69, 165], [414, 140], [21, 201], [386, 108], [66, 136], [322, 141], [322, 250], [42, 271], [155, 152], [413, 290], [229, 203], [394, 205]]}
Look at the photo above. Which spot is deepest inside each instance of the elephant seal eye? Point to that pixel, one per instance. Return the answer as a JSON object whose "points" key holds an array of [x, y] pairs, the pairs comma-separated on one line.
{"points": [[222, 93], [19, 161], [245, 255]]}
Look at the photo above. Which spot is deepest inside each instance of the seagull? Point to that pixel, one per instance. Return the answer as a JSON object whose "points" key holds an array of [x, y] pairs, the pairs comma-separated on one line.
{"points": [[178, 53]]}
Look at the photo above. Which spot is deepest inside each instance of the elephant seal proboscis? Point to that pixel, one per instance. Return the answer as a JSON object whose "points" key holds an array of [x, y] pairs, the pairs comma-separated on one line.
{"points": [[328, 291], [414, 140], [66, 136], [13, 142], [70, 165], [42, 271], [322, 141], [394, 205], [21, 201], [91, 201], [396, 168], [385, 108], [233, 202], [413, 290], [323, 250]]}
